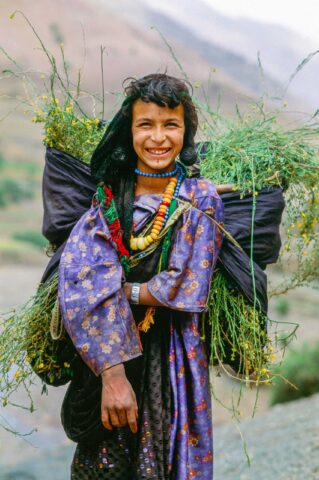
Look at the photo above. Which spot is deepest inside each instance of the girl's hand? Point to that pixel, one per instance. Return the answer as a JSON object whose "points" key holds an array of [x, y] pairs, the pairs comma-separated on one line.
{"points": [[118, 404]]}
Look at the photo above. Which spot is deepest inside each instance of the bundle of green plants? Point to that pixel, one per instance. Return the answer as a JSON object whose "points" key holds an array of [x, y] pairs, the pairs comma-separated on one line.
{"points": [[57, 101], [26, 345], [250, 153], [301, 369], [237, 331], [66, 129]]}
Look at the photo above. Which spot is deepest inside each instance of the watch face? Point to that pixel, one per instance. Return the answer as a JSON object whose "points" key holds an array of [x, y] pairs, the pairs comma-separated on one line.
{"points": [[135, 293]]}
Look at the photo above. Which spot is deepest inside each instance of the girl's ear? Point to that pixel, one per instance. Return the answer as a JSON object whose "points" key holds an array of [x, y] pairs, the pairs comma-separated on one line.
{"points": [[188, 156]]}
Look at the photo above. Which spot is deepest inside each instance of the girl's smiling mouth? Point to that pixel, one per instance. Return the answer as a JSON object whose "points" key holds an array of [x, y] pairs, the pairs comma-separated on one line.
{"points": [[158, 152]]}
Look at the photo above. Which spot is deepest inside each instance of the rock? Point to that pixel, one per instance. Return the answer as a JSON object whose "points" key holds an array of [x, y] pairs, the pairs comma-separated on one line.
{"points": [[48, 464], [283, 444]]}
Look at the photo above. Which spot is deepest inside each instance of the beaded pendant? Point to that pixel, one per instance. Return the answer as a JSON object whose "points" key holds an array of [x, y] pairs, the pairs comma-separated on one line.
{"points": [[141, 243]]}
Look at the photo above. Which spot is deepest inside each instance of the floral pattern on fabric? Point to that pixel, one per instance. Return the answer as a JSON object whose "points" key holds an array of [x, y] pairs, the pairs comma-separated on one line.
{"points": [[95, 311], [185, 284]]}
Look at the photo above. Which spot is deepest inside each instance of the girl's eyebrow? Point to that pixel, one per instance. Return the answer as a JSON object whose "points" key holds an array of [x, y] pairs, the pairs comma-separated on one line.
{"points": [[145, 119]]}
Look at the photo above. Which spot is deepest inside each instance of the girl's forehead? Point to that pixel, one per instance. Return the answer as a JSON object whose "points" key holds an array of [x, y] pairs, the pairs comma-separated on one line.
{"points": [[151, 110]]}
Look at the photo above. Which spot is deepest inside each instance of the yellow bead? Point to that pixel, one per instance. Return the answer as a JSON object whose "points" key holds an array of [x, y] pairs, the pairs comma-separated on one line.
{"points": [[140, 244], [158, 224], [133, 243], [150, 239], [154, 235], [146, 242]]}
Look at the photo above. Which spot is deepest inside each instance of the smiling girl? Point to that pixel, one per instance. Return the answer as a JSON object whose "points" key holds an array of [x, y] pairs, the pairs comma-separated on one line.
{"points": [[133, 280]]}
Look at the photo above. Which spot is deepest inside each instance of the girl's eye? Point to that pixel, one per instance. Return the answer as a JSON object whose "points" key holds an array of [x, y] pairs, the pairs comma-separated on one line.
{"points": [[144, 124], [171, 124]]}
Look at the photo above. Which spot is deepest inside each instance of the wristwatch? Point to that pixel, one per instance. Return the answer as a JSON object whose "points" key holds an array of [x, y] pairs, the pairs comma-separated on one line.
{"points": [[135, 293]]}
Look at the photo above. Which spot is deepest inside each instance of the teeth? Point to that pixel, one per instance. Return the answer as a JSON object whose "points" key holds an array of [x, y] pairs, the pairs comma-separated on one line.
{"points": [[158, 152]]}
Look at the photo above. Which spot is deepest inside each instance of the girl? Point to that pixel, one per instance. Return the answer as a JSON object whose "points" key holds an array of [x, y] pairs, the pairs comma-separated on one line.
{"points": [[134, 278]]}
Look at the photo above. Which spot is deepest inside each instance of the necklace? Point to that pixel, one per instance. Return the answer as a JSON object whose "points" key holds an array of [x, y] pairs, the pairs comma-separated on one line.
{"points": [[157, 175], [170, 193]]}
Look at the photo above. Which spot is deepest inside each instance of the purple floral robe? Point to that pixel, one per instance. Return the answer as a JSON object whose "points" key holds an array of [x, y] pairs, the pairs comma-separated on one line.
{"points": [[99, 320]]}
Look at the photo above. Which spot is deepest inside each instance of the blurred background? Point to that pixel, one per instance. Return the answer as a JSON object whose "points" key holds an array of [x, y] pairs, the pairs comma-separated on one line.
{"points": [[233, 51]]}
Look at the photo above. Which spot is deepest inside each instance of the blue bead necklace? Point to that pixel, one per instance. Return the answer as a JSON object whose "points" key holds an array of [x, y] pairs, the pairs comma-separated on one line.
{"points": [[156, 175], [181, 176]]}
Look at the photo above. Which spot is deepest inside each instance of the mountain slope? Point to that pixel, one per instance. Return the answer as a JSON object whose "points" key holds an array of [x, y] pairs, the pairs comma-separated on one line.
{"points": [[131, 49], [281, 49]]}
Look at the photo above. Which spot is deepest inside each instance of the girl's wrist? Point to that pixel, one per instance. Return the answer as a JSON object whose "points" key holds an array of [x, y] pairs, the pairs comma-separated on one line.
{"points": [[115, 370]]}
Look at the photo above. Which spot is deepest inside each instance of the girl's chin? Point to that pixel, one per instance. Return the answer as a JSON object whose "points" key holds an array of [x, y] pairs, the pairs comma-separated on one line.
{"points": [[158, 164], [159, 158]]}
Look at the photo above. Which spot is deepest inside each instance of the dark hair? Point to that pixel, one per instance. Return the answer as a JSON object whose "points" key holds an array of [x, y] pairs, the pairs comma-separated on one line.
{"points": [[114, 159]]}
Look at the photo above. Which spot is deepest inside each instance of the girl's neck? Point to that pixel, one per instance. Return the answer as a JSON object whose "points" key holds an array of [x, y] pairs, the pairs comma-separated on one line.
{"points": [[150, 185]]}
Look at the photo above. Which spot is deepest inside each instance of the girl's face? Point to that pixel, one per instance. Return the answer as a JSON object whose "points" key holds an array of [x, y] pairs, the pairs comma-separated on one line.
{"points": [[158, 135]]}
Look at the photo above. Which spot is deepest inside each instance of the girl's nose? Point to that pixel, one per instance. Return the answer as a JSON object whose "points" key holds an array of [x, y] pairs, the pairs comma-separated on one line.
{"points": [[158, 135]]}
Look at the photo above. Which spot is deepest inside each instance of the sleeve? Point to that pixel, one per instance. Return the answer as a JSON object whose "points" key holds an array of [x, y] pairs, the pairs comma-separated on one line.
{"points": [[94, 308], [185, 284]]}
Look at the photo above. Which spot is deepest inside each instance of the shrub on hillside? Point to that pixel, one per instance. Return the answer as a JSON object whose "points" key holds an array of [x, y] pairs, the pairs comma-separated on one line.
{"points": [[31, 236], [300, 368], [14, 191]]}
